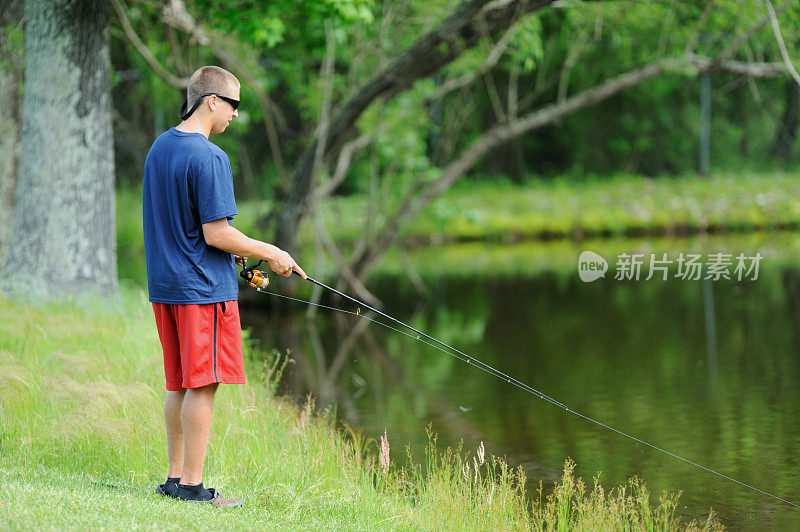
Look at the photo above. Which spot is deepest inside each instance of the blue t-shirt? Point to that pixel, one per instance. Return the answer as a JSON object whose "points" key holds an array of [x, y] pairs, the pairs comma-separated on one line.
{"points": [[187, 182]]}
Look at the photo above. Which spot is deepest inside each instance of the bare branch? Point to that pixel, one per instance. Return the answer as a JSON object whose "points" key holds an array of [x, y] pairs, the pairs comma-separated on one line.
{"points": [[751, 81], [385, 20], [513, 92], [531, 97], [700, 23], [144, 51], [494, 97], [344, 348], [573, 55], [491, 60], [497, 4], [782, 45], [346, 272], [413, 276], [326, 78], [342, 165], [754, 69], [733, 46], [180, 64], [598, 26]]}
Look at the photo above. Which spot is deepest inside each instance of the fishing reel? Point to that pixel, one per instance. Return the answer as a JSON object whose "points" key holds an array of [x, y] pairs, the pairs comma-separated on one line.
{"points": [[255, 278]]}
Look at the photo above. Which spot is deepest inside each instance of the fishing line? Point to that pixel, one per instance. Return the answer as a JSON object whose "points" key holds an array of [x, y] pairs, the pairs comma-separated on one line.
{"points": [[457, 354], [460, 355]]}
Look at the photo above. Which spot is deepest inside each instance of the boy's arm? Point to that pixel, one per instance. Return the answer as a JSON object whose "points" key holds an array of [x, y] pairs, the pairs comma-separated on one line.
{"points": [[227, 238]]}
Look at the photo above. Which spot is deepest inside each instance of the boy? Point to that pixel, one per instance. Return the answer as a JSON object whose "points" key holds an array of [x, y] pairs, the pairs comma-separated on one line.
{"points": [[191, 251]]}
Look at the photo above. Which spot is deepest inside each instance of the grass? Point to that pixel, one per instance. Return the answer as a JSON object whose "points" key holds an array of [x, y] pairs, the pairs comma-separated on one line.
{"points": [[564, 208], [82, 446]]}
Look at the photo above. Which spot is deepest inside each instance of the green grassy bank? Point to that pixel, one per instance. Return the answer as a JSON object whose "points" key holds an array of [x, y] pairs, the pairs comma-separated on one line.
{"points": [[566, 208], [82, 446], [560, 209]]}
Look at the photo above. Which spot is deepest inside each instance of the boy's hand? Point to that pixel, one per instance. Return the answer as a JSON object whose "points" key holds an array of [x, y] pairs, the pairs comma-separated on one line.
{"points": [[282, 263]]}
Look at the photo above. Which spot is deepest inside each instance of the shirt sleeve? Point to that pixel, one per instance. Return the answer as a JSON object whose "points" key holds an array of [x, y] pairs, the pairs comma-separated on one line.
{"points": [[214, 190]]}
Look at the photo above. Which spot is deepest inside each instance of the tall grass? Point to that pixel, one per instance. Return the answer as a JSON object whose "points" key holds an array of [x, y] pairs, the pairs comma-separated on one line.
{"points": [[82, 445]]}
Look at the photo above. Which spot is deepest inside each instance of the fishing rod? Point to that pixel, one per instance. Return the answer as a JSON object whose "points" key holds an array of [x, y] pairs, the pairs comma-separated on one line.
{"points": [[259, 280]]}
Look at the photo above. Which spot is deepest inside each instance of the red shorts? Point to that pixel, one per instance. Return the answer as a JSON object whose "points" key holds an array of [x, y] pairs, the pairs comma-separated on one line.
{"points": [[202, 344]]}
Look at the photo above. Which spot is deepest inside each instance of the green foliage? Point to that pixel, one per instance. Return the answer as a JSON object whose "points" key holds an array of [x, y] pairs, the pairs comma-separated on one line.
{"points": [[130, 238], [267, 23], [653, 128], [526, 44], [650, 129], [571, 506]]}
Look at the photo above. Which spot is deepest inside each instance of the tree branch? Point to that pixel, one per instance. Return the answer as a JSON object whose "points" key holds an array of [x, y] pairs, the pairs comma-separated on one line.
{"points": [[782, 45], [502, 133], [491, 60], [745, 68], [732, 47], [700, 23], [462, 30], [144, 51], [512, 101], [345, 271], [573, 55], [326, 78], [342, 165]]}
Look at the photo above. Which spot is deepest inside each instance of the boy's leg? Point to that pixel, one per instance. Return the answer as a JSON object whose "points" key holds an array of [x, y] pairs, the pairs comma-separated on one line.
{"points": [[198, 405], [166, 321], [172, 418]]}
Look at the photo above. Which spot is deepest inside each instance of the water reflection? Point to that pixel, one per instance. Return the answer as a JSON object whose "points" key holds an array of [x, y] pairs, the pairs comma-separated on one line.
{"points": [[711, 330], [708, 370]]}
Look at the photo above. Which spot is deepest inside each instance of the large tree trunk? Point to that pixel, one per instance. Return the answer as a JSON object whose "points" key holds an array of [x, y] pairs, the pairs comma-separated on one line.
{"points": [[63, 238], [11, 61]]}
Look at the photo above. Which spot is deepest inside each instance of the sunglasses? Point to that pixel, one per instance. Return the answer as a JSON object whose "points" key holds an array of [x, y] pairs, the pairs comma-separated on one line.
{"points": [[183, 114]]}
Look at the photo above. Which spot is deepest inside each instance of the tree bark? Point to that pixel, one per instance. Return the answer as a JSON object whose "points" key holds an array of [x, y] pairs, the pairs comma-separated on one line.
{"points": [[11, 72], [471, 22], [63, 238]]}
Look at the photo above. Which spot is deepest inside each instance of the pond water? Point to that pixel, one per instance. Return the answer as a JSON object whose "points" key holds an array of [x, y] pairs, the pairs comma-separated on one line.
{"points": [[708, 370]]}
